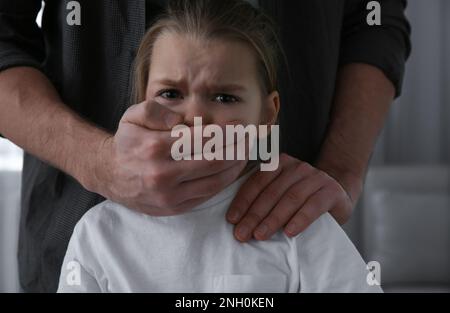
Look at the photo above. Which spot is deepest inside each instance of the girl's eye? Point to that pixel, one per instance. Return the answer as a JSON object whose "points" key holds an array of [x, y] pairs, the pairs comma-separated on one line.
{"points": [[170, 94], [223, 98]]}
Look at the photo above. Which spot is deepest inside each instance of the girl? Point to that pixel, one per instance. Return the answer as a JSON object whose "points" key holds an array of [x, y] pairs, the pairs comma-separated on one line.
{"points": [[217, 60]]}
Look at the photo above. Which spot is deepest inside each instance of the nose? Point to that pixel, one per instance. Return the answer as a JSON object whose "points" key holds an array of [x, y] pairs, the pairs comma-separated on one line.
{"points": [[197, 108]]}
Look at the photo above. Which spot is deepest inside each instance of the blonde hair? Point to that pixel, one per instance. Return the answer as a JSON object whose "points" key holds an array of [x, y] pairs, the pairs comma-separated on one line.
{"points": [[213, 19]]}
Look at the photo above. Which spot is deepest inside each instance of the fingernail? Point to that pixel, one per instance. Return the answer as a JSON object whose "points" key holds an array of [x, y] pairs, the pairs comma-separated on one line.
{"points": [[291, 229], [243, 232], [262, 230], [171, 120]]}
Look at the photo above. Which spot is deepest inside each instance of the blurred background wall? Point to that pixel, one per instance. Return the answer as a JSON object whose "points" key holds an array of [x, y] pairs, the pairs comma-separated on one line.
{"points": [[418, 128], [402, 220]]}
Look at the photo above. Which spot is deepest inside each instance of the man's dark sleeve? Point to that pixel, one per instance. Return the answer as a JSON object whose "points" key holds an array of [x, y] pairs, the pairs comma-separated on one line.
{"points": [[386, 46], [21, 40]]}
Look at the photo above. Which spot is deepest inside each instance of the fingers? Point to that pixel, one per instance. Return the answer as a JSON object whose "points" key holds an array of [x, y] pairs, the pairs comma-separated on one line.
{"points": [[142, 143], [342, 211], [204, 138], [262, 206], [291, 201], [211, 185], [152, 115], [189, 204], [295, 197], [179, 209], [147, 124], [315, 206], [195, 169], [179, 197], [248, 193]]}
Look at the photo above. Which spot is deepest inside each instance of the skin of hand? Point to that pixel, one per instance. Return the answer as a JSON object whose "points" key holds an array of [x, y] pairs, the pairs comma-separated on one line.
{"points": [[140, 173], [298, 193]]}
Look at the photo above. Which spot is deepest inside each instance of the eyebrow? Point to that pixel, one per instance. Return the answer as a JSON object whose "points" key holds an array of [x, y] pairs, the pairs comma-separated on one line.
{"points": [[227, 87], [223, 88]]}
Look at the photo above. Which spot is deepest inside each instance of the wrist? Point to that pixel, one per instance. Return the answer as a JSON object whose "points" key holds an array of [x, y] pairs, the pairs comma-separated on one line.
{"points": [[351, 180], [97, 174]]}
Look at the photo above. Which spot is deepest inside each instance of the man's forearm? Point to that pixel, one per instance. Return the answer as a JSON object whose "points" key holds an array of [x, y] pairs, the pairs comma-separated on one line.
{"points": [[362, 100], [33, 116]]}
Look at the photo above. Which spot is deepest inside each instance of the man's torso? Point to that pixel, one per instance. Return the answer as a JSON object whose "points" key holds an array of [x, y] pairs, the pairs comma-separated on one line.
{"points": [[91, 67]]}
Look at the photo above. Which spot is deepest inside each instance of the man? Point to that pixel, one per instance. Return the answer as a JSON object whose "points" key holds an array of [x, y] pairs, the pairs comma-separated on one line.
{"points": [[64, 98]]}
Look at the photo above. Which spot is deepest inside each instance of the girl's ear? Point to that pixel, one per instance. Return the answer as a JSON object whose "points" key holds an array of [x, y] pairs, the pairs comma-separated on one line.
{"points": [[272, 108]]}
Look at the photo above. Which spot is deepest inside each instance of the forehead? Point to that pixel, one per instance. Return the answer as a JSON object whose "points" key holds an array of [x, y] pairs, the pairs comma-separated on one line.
{"points": [[180, 56]]}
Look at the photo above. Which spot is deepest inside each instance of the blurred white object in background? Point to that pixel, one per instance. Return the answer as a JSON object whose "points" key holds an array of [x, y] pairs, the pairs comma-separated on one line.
{"points": [[39, 16], [10, 157], [10, 175]]}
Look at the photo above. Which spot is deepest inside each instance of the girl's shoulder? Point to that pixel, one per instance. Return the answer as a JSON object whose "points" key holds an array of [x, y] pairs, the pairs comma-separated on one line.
{"points": [[101, 218]]}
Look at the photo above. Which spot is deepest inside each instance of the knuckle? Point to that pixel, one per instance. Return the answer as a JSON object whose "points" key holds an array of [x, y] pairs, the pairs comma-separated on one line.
{"points": [[284, 158], [293, 195], [153, 148], [270, 194], [156, 178], [324, 176], [331, 186], [132, 108], [164, 177], [254, 217], [273, 222], [335, 188], [129, 111], [301, 168], [148, 179], [304, 217]]}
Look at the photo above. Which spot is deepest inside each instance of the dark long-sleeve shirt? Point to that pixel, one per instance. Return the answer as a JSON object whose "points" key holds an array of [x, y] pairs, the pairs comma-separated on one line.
{"points": [[91, 65]]}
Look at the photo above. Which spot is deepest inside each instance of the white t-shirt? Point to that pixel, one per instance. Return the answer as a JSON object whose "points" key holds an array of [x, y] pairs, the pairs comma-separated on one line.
{"points": [[115, 249]]}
